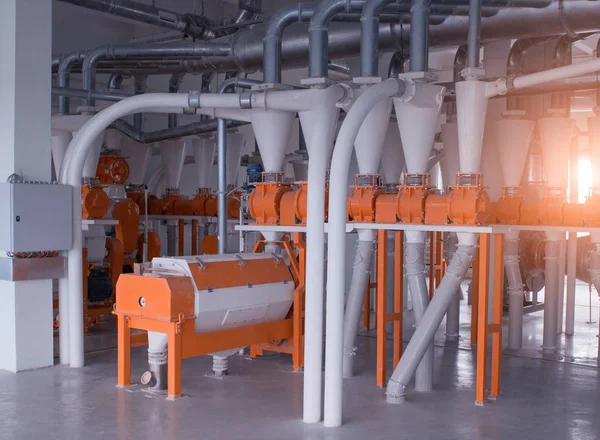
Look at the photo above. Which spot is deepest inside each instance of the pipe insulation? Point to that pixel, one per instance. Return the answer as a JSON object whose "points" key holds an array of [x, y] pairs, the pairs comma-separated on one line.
{"points": [[361, 274], [336, 252], [414, 271], [431, 320]]}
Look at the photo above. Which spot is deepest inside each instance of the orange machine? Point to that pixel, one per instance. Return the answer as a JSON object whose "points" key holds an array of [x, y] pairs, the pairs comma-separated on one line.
{"points": [[112, 170], [94, 202], [468, 201], [361, 201], [251, 295], [265, 200]]}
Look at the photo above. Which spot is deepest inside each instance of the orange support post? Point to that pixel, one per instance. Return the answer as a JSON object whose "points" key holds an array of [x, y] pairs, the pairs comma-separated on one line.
{"points": [[299, 295], [174, 362], [496, 328], [180, 237], [474, 297], [432, 236], [367, 307], [398, 294], [438, 259], [194, 237], [380, 306], [123, 352], [482, 321]]}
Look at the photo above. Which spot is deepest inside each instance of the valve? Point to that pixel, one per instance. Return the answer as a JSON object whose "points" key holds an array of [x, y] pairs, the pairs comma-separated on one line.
{"points": [[508, 208], [112, 170], [413, 193], [468, 201], [199, 201], [361, 201], [168, 201], [264, 202]]}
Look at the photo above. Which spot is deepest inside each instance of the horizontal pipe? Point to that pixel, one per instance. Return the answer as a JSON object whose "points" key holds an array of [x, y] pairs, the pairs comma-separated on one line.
{"points": [[89, 94]]}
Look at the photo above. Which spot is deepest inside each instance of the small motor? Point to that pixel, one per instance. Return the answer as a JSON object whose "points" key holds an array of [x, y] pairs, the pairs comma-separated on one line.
{"points": [[99, 286], [253, 175]]}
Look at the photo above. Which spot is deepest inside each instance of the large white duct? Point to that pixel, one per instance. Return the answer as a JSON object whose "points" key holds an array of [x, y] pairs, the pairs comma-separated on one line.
{"points": [[450, 161], [471, 106], [91, 162], [138, 157], [113, 139], [272, 130], [555, 137], [204, 152], [172, 153], [60, 142], [512, 137], [392, 158], [417, 122]]}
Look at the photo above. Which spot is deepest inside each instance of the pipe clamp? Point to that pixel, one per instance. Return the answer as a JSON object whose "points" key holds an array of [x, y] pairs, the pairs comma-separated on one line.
{"points": [[194, 99]]}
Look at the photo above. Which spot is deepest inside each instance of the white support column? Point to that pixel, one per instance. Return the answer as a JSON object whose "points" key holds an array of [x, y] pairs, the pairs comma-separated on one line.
{"points": [[25, 83]]}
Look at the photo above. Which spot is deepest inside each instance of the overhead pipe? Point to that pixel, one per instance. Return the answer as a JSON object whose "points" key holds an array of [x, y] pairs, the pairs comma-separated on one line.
{"points": [[89, 94], [174, 85], [369, 36], [198, 27], [115, 81], [139, 86], [342, 154], [419, 35], [135, 50], [577, 15], [64, 72]]}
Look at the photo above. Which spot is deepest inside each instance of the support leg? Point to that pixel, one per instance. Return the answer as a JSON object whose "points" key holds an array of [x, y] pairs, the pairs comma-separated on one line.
{"points": [[482, 321], [380, 307], [497, 315], [475, 297], [174, 367], [123, 352], [194, 237], [180, 237], [398, 294]]}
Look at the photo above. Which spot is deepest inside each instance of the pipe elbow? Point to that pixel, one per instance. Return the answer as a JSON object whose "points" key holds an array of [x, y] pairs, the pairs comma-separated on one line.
{"points": [[395, 392]]}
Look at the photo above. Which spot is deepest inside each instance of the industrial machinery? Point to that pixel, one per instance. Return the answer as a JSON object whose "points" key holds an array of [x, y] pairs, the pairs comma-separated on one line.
{"points": [[201, 305]]}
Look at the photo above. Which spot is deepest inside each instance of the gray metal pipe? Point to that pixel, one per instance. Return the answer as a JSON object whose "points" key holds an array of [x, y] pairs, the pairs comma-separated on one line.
{"points": [[563, 55], [578, 15], [115, 81], [453, 314], [551, 270], [474, 35], [423, 335], [113, 52], [369, 36], [514, 290], [318, 54], [64, 72], [225, 86], [171, 240], [89, 94], [361, 274], [414, 271], [419, 35]]}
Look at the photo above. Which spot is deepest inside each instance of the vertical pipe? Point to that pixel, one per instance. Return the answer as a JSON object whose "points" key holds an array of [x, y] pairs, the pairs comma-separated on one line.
{"points": [[369, 37], [419, 35], [222, 185], [141, 82], [514, 290], [561, 285], [571, 278], [552, 262], [473, 38], [171, 243]]}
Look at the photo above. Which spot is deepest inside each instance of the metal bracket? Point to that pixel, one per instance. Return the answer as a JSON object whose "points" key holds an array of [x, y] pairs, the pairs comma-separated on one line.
{"points": [[194, 99], [241, 260], [200, 262], [246, 100]]}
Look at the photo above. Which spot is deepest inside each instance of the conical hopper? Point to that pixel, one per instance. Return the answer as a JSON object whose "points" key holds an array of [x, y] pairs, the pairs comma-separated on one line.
{"points": [[555, 136], [594, 141], [172, 153], [512, 138], [450, 161], [235, 142], [272, 130], [204, 150], [138, 158], [471, 107], [91, 162], [392, 159], [417, 122], [60, 142], [371, 136], [310, 123]]}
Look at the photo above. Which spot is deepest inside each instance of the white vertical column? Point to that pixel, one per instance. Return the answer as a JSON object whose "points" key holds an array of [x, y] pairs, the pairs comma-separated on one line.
{"points": [[25, 87]]}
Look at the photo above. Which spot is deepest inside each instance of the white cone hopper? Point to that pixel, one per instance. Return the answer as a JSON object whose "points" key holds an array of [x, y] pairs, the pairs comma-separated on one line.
{"points": [[512, 137], [417, 122], [371, 136], [594, 142], [272, 130], [113, 139], [204, 150], [471, 106], [73, 123], [450, 162], [172, 154], [392, 159], [138, 158], [308, 124], [60, 142], [555, 137], [235, 142]]}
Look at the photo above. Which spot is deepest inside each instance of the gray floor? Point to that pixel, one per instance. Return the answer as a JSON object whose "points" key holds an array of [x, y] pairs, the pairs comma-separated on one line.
{"points": [[262, 399]]}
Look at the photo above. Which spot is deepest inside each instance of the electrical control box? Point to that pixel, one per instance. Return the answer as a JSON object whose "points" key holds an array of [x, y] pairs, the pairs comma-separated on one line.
{"points": [[36, 217]]}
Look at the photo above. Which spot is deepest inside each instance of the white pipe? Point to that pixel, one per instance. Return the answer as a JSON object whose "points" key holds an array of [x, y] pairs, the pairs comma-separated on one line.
{"points": [[71, 175], [319, 127], [514, 290], [340, 164], [571, 278], [361, 273], [561, 285], [453, 314], [552, 258]]}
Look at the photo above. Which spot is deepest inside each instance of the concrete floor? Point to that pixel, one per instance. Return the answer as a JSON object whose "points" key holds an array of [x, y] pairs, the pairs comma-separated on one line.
{"points": [[262, 399]]}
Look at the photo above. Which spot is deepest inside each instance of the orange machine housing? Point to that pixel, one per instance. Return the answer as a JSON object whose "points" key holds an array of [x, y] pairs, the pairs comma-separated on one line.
{"points": [[211, 207], [265, 200], [411, 198], [591, 209], [551, 207], [386, 207], [508, 207], [168, 203], [199, 201], [153, 246], [361, 202], [293, 205], [468, 201], [127, 213], [112, 170], [94, 202], [436, 209]]}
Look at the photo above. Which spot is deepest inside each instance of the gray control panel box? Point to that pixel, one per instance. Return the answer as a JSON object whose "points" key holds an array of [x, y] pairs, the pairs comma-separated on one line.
{"points": [[36, 217]]}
